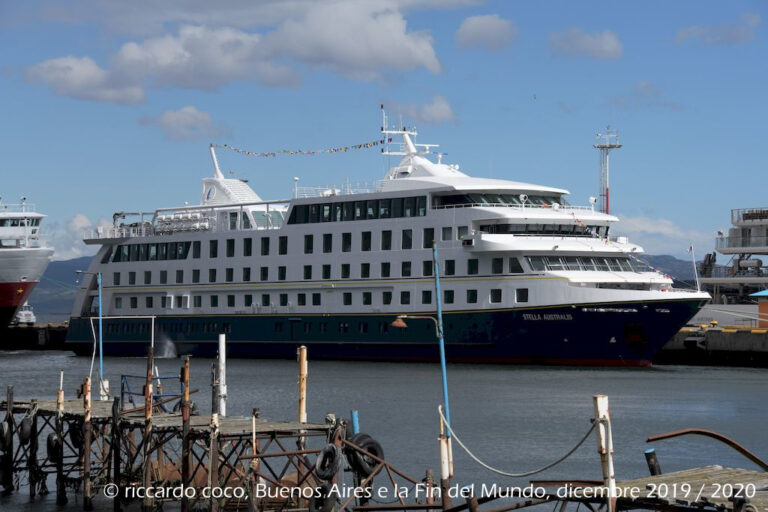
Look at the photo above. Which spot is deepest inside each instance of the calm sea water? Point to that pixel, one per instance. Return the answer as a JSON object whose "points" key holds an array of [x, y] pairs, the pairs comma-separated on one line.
{"points": [[515, 418]]}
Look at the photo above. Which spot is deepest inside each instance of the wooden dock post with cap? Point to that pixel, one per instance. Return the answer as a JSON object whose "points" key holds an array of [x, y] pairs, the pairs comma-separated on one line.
{"points": [[148, 504], [87, 432], [61, 491], [185, 454], [605, 448]]}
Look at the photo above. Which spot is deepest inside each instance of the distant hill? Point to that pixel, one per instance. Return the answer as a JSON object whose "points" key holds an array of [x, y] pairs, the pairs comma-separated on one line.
{"points": [[54, 296]]}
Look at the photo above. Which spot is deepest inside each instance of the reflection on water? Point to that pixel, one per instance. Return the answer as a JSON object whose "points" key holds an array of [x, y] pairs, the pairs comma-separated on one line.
{"points": [[515, 418]]}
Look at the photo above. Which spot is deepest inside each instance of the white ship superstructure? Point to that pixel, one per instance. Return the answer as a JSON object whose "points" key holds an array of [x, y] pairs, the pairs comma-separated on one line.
{"points": [[525, 276]]}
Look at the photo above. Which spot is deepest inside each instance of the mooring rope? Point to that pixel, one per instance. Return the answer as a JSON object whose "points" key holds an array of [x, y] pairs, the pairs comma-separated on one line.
{"points": [[504, 473]]}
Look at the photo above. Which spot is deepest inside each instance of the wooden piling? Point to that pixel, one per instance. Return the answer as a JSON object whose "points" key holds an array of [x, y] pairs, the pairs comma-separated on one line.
{"points": [[302, 356], [8, 457], [605, 448], [147, 504], [33, 446], [115, 439], [87, 434], [61, 490], [213, 461], [653, 462], [185, 444]]}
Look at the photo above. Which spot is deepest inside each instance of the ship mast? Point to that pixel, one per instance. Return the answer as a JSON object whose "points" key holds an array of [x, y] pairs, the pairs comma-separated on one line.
{"points": [[609, 140]]}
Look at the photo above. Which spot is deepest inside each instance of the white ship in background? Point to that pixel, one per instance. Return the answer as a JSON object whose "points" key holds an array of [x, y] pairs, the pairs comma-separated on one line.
{"points": [[525, 276], [22, 257]]}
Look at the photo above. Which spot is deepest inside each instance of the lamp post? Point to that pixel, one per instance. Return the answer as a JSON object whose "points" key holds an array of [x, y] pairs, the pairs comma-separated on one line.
{"points": [[103, 385]]}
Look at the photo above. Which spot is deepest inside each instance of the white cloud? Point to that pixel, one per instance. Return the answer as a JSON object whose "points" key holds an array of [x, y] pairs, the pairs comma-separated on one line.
{"points": [[730, 33], [82, 78], [187, 123], [574, 42], [360, 40], [435, 112], [487, 31], [67, 238], [663, 236], [644, 94]]}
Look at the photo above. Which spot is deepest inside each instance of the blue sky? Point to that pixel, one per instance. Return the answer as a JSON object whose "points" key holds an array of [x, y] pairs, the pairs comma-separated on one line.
{"points": [[111, 105]]}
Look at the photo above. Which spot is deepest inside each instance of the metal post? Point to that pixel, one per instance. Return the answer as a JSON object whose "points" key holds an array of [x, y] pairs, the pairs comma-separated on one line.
{"points": [[302, 353], [185, 442], [116, 436], [61, 490], [103, 385], [355, 421], [8, 459], [653, 462], [213, 460], [444, 369], [605, 448], [87, 432], [33, 444], [222, 375]]}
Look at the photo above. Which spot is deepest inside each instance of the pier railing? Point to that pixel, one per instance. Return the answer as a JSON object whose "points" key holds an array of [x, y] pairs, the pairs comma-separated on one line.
{"points": [[749, 215], [734, 242]]}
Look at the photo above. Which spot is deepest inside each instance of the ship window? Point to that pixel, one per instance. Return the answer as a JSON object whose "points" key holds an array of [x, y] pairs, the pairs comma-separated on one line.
{"points": [[345, 270], [365, 241], [229, 275], [179, 276], [572, 263], [386, 240], [281, 273], [283, 299], [148, 302], [429, 238], [179, 300], [359, 210], [448, 296], [426, 297], [346, 242], [405, 298], [230, 247], [625, 265], [447, 233], [118, 302], [264, 273], [316, 298], [314, 213], [246, 274], [265, 299], [385, 266], [343, 327], [521, 295], [326, 271], [372, 209], [347, 298], [196, 275], [365, 270], [587, 263], [131, 277], [325, 214], [472, 266], [497, 265], [328, 242], [397, 207], [134, 302], [349, 211], [362, 327], [495, 295], [142, 252], [461, 232], [386, 298], [195, 249], [409, 207], [163, 277], [309, 244], [248, 300], [405, 269], [421, 205], [450, 267], [471, 296], [537, 263], [152, 252], [278, 326], [301, 299], [514, 266], [613, 264], [147, 277], [214, 301], [307, 271], [134, 252], [407, 239], [385, 208], [211, 275], [367, 298], [172, 251], [265, 246], [426, 268]]}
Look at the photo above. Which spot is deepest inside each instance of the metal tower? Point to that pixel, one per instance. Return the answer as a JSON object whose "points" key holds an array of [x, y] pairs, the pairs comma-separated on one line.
{"points": [[608, 141]]}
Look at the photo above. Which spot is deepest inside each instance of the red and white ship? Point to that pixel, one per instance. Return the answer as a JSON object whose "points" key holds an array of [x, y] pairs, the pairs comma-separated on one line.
{"points": [[22, 257]]}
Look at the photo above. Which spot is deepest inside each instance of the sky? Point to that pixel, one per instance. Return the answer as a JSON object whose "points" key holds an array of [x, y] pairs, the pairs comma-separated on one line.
{"points": [[111, 105]]}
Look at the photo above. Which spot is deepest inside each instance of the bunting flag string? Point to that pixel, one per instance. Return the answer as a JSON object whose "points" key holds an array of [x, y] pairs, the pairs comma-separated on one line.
{"points": [[342, 149]]}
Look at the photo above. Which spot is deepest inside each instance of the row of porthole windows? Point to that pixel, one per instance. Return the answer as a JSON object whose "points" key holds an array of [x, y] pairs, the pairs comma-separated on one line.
{"points": [[315, 299], [497, 266]]}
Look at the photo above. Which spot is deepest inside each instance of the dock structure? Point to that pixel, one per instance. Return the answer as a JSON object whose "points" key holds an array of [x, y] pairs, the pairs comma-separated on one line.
{"points": [[159, 451]]}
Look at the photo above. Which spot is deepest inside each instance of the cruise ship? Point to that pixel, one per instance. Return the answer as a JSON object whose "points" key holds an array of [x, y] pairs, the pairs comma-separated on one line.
{"points": [[525, 276], [23, 259]]}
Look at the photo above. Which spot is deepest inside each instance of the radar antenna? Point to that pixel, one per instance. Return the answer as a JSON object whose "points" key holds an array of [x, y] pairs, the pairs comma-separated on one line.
{"points": [[608, 141]]}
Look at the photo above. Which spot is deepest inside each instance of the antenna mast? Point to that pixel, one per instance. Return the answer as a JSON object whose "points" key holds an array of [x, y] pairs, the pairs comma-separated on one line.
{"points": [[608, 141]]}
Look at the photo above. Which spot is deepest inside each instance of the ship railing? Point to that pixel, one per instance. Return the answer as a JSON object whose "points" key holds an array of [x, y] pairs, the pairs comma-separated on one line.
{"points": [[749, 214], [564, 208], [18, 208], [734, 242], [118, 232], [345, 189], [730, 271]]}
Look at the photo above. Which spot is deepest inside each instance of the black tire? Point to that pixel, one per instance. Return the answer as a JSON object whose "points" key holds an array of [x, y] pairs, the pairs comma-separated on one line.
{"points": [[320, 501], [354, 439], [5, 436], [53, 445], [363, 464], [25, 430], [328, 462], [76, 435]]}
